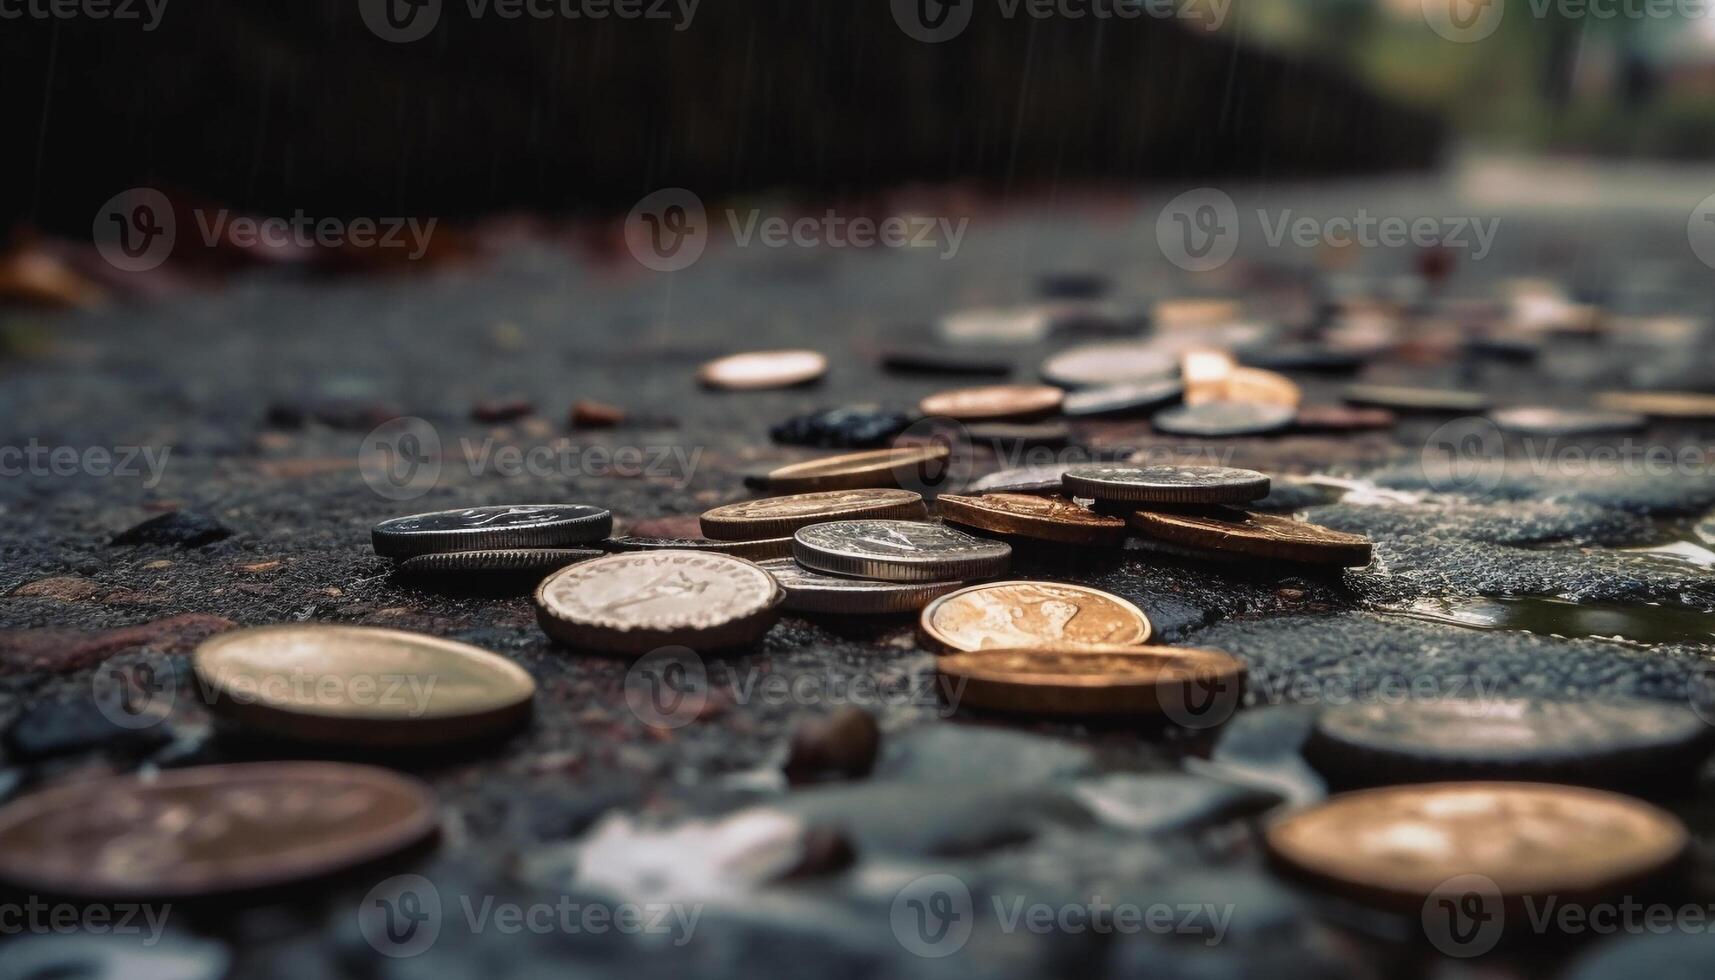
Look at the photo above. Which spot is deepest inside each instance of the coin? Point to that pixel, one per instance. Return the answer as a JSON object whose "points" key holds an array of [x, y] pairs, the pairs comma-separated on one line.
{"points": [[1083, 681], [1401, 398], [780, 516], [1660, 404], [351, 685], [1108, 401], [1042, 518], [1005, 436], [1398, 846], [1017, 325], [955, 362], [634, 603], [1259, 387], [899, 551], [1166, 484], [491, 529], [764, 369], [1180, 314], [1615, 742], [994, 403], [518, 560], [1205, 373], [1098, 365], [1024, 615], [1308, 358], [761, 550], [1224, 419], [813, 592], [1256, 535], [1342, 418], [877, 468], [1565, 422], [209, 830], [1026, 479]]}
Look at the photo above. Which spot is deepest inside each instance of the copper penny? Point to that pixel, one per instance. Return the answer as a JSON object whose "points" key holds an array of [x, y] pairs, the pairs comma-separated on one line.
{"points": [[995, 403], [764, 369], [1257, 535], [1022, 615], [1106, 680], [1660, 404], [209, 830], [1027, 516], [877, 468], [1401, 845], [779, 517], [1343, 418], [635, 603]]}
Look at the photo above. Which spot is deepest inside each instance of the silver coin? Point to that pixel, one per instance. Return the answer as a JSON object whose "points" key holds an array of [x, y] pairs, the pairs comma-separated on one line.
{"points": [[753, 550], [1095, 365], [899, 551], [813, 592], [492, 529], [519, 560], [1566, 422], [1028, 479], [1217, 419], [1197, 485], [1122, 399]]}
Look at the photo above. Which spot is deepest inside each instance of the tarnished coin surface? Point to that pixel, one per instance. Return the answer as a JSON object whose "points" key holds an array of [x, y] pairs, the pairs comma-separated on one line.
{"points": [[1025, 615], [899, 551], [994, 403], [1398, 846], [513, 561], [353, 685], [761, 550], [1043, 518], [209, 830], [764, 369], [1401, 398], [778, 517], [1660, 404], [634, 603], [1566, 422], [813, 592], [1257, 535], [1097, 365], [492, 528], [877, 468], [1166, 484], [1217, 420], [1104, 680], [1119, 400]]}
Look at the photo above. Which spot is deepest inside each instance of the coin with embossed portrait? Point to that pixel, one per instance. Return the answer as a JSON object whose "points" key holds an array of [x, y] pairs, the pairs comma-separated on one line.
{"points": [[1022, 615], [777, 517], [637, 602], [899, 551], [492, 528]]}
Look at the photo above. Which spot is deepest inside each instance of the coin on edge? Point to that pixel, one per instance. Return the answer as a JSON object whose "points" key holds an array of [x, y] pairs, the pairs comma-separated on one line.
{"points": [[1040, 518], [760, 370], [634, 603], [1195, 485], [1104, 680], [1219, 420], [762, 550], [874, 469], [1257, 535], [492, 529], [1022, 615], [994, 403], [537, 561], [899, 551], [813, 592], [1398, 846], [209, 830], [780, 516]]}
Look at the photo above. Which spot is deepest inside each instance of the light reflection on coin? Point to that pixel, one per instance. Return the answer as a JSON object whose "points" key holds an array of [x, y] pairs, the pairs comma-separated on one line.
{"points": [[994, 403], [1097, 365], [879, 468], [634, 603], [1014, 615], [764, 369]]}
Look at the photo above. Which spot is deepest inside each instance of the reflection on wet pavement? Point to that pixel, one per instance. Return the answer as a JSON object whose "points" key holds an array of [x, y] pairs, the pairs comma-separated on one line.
{"points": [[1633, 622]]}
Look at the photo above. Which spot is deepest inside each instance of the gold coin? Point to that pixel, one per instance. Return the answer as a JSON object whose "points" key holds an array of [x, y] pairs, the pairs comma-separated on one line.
{"points": [[1660, 404], [1258, 535], [1105, 680], [1020, 615], [995, 403], [1029, 516], [640, 601], [1400, 845], [877, 468], [778, 517], [764, 369]]}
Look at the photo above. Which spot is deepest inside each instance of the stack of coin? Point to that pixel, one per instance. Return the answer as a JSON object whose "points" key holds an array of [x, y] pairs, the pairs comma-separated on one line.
{"points": [[868, 566], [528, 538]]}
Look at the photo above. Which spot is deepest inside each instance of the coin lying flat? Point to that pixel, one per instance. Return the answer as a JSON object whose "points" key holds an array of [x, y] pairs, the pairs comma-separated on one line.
{"points": [[634, 603], [1566, 422], [1118, 400], [761, 550], [350, 685], [1399, 846], [1256, 535], [1025, 615], [764, 369], [514, 561], [1342, 418], [877, 468], [209, 830], [1166, 484], [1105, 680], [1610, 742], [1660, 404], [1401, 398], [492, 529], [1190, 313], [1042, 518], [1097, 365], [994, 403], [1217, 420], [813, 592], [899, 551], [781, 516]]}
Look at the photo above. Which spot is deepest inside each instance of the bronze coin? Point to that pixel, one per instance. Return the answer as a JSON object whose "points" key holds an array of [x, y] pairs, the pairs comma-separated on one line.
{"points": [[1343, 418], [995, 403], [1022, 615], [1660, 404], [1401, 845], [877, 468], [209, 830], [778, 517], [1042, 518], [1256, 535], [764, 369], [1105, 680], [635, 603]]}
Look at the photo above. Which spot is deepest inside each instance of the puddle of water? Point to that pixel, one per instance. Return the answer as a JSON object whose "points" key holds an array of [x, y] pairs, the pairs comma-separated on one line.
{"points": [[1635, 623]]}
